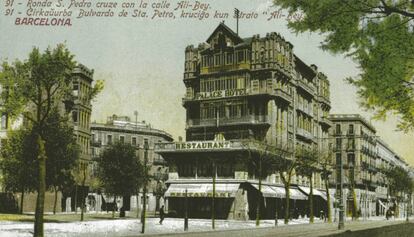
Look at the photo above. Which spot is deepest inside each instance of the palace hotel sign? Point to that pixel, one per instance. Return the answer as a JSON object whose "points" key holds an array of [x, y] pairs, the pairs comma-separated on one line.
{"points": [[220, 94]]}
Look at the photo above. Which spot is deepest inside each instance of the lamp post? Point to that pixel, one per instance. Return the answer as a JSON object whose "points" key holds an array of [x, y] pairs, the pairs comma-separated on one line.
{"points": [[136, 130], [144, 202], [341, 223]]}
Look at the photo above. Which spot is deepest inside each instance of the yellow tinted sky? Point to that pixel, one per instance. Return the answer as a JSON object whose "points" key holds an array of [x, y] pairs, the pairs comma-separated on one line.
{"points": [[142, 62]]}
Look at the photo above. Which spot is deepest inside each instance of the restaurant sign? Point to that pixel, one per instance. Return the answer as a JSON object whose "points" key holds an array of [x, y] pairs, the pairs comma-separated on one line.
{"points": [[202, 145]]}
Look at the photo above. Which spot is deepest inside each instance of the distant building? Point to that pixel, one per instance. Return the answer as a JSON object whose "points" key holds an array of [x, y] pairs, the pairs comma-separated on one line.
{"points": [[240, 89], [122, 129], [364, 155]]}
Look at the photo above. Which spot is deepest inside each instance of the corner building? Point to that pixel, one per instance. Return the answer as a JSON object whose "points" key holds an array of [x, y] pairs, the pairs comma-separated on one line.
{"points": [[244, 89]]}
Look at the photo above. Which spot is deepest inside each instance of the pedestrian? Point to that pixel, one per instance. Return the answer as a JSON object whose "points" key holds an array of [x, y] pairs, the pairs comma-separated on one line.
{"points": [[162, 214]]}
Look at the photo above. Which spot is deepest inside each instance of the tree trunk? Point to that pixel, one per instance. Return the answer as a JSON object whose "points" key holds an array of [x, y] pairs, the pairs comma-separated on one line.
{"points": [[138, 207], [355, 205], [113, 208], [311, 215], [260, 194], [287, 185], [22, 202], [40, 202], [55, 201], [328, 200], [76, 198]]}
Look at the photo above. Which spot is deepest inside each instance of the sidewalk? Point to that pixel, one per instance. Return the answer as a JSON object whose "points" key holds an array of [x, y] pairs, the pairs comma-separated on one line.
{"points": [[132, 227]]}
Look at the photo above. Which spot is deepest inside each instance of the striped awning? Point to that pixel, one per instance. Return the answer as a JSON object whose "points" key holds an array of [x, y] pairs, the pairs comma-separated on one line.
{"points": [[316, 192]]}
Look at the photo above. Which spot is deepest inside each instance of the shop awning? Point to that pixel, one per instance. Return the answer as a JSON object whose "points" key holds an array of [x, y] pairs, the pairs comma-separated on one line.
{"points": [[202, 190], [279, 192], [315, 192], [271, 191], [296, 194]]}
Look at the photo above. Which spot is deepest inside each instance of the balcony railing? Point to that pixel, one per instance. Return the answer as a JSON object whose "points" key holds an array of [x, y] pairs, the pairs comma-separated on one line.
{"points": [[253, 120], [303, 133], [307, 111], [307, 87], [324, 100], [220, 68], [325, 121]]}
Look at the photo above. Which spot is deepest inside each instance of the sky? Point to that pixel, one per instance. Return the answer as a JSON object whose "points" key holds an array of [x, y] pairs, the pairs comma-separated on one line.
{"points": [[142, 62]]}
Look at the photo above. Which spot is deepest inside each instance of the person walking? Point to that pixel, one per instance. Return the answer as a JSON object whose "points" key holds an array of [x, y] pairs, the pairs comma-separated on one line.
{"points": [[162, 214]]}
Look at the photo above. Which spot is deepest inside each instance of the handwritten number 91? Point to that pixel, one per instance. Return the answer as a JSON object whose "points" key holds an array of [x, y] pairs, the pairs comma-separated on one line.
{"points": [[9, 3]]}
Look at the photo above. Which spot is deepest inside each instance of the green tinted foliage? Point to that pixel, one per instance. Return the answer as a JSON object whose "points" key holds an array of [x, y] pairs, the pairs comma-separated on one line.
{"points": [[120, 171], [378, 36], [18, 166]]}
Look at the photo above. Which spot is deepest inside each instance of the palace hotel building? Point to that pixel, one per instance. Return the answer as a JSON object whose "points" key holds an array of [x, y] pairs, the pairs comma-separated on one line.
{"points": [[241, 92]]}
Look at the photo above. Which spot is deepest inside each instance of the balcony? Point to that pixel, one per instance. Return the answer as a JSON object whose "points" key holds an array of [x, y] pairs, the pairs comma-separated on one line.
{"points": [[224, 68], [307, 111], [96, 143], [246, 120], [324, 100], [310, 89], [304, 134], [324, 121]]}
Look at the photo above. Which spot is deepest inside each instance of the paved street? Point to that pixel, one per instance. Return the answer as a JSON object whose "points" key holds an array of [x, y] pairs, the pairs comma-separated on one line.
{"points": [[227, 228]]}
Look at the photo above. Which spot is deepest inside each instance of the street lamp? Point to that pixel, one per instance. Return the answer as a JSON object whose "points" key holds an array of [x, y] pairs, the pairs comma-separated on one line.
{"points": [[144, 203], [341, 223]]}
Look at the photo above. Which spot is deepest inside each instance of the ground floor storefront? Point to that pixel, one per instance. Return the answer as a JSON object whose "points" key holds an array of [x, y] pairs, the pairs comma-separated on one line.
{"points": [[239, 200]]}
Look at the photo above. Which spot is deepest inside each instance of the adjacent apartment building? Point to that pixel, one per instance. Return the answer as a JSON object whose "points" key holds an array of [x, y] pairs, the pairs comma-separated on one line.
{"points": [[136, 133], [364, 157], [252, 89]]}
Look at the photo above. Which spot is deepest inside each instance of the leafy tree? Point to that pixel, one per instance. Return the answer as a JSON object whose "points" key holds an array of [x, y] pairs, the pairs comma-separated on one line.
{"points": [[326, 166], [285, 165], [307, 165], [34, 88], [119, 170], [62, 152], [399, 183], [18, 167], [266, 159], [378, 36]]}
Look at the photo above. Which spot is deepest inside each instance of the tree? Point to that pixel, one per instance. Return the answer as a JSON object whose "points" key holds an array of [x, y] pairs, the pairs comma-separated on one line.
{"points": [[399, 183], [18, 168], [266, 159], [62, 152], [326, 166], [378, 36], [119, 170], [286, 168], [307, 162], [34, 88]]}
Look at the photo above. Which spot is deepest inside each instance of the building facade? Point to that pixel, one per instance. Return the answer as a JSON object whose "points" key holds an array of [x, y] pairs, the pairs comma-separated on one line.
{"points": [[243, 94], [364, 157], [122, 129]]}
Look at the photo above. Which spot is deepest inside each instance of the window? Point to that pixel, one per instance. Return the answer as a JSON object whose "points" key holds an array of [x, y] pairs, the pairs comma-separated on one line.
{"points": [[122, 139], [75, 116], [146, 142], [109, 139], [338, 144], [351, 129], [134, 141], [338, 129]]}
